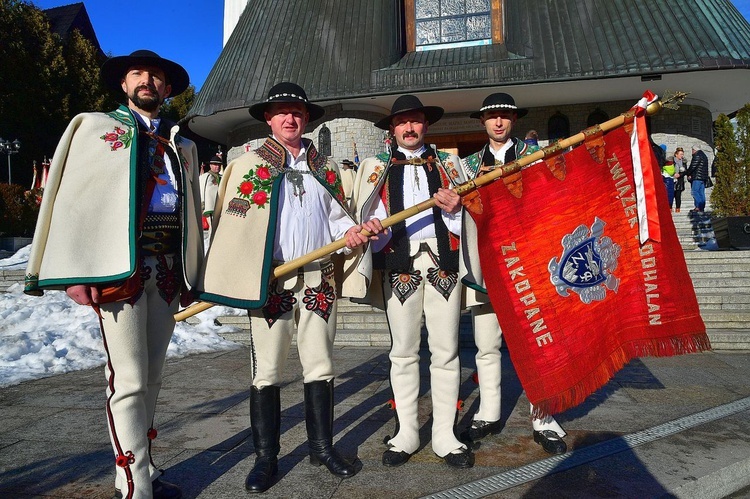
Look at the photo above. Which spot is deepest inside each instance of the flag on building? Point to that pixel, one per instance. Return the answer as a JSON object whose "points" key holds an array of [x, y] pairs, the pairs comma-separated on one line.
{"points": [[578, 283]]}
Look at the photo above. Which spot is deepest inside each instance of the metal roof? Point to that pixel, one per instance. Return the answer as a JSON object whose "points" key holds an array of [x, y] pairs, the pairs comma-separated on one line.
{"points": [[340, 51]]}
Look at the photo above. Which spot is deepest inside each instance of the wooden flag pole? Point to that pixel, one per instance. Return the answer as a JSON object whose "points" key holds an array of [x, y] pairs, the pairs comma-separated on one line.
{"points": [[461, 190]]}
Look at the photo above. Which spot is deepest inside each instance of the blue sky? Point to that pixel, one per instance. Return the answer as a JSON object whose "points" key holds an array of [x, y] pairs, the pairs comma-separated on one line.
{"points": [[186, 31], [189, 32]]}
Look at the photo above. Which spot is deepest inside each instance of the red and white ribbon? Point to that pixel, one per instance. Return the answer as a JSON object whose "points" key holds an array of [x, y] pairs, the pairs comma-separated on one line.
{"points": [[644, 173]]}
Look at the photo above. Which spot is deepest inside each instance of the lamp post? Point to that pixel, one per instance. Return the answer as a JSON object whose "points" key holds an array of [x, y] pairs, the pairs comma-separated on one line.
{"points": [[8, 147]]}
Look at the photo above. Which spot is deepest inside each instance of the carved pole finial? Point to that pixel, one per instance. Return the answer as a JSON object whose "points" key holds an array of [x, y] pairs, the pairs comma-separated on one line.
{"points": [[672, 99]]}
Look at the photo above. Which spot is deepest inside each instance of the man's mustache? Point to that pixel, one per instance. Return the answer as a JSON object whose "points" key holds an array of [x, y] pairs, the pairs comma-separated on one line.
{"points": [[145, 87]]}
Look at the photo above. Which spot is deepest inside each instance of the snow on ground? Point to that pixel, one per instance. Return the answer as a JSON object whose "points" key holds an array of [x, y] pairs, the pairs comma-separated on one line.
{"points": [[48, 335]]}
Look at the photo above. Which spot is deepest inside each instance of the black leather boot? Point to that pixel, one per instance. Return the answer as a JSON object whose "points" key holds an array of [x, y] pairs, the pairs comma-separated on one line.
{"points": [[319, 421], [265, 422]]}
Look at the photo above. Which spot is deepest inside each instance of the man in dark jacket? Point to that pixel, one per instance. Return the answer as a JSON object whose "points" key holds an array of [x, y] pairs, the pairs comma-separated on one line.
{"points": [[697, 174]]}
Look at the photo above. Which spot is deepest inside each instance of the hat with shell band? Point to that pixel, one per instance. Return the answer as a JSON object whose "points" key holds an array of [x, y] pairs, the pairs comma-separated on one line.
{"points": [[286, 92], [499, 101]]}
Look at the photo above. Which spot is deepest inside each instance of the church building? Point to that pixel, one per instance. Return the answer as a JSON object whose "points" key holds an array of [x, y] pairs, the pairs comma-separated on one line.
{"points": [[573, 63]]}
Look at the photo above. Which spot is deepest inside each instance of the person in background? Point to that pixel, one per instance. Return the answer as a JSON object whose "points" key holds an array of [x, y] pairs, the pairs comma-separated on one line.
{"points": [[697, 174], [209, 187], [133, 181], [347, 180], [667, 175], [532, 141], [679, 175]]}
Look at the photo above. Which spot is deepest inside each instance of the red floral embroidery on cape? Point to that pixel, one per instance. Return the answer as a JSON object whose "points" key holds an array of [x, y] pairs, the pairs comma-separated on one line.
{"points": [[118, 138], [335, 186], [256, 185]]}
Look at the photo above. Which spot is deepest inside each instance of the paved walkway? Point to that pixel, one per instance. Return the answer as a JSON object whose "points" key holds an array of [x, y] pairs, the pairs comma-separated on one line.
{"points": [[53, 441]]}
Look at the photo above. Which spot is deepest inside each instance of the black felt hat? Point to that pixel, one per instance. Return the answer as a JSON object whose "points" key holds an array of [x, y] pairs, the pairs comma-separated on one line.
{"points": [[407, 103], [115, 68], [216, 159], [286, 92], [499, 101]]}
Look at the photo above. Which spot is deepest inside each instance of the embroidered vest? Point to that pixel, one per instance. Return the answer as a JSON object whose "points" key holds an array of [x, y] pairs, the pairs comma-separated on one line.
{"points": [[395, 256], [484, 156]]}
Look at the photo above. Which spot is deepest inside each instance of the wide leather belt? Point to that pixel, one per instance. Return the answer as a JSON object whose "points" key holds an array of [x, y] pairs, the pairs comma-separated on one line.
{"points": [[160, 234], [158, 221]]}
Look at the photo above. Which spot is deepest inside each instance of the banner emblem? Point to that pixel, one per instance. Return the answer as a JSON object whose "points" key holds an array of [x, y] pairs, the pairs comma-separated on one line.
{"points": [[587, 264]]}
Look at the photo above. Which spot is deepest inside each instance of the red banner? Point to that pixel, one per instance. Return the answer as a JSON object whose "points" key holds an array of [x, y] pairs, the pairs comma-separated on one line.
{"points": [[576, 294]]}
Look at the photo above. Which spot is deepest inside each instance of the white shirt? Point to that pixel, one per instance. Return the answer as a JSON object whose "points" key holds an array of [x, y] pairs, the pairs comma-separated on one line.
{"points": [[307, 221], [421, 226], [500, 153]]}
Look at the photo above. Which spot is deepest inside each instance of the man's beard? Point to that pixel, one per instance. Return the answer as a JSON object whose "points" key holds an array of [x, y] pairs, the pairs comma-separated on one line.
{"points": [[148, 103]]}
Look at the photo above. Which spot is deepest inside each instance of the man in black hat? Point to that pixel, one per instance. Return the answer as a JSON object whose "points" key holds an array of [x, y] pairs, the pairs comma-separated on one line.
{"points": [[119, 229], [417, 268], [275, 204], [209, 188], [498, 115]]}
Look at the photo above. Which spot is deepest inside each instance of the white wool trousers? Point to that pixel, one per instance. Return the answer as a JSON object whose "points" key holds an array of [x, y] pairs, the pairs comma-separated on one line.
{"points": [[313, 310], [136, 338], [488, 338], [407, 298]]}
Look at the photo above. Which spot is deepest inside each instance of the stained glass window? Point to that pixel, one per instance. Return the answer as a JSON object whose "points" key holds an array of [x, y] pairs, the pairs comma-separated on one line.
{"points": [[451, 23]]}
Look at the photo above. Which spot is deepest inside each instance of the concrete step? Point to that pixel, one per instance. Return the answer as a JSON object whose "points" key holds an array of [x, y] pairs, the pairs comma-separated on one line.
{"points": [[741, 285], [732, 279], [729, 339], [10, 277], [707, 266], [724, 301], [726, 319], [723, 256]]}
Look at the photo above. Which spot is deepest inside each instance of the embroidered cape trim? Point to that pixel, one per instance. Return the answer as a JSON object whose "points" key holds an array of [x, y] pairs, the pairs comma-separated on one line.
{"points": [[275, 155]]}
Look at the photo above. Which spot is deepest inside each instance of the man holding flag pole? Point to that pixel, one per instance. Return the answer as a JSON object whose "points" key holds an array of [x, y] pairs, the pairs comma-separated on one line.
{"points": [[498, 114], [579, 288], [274, 205], [418, 260]]}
